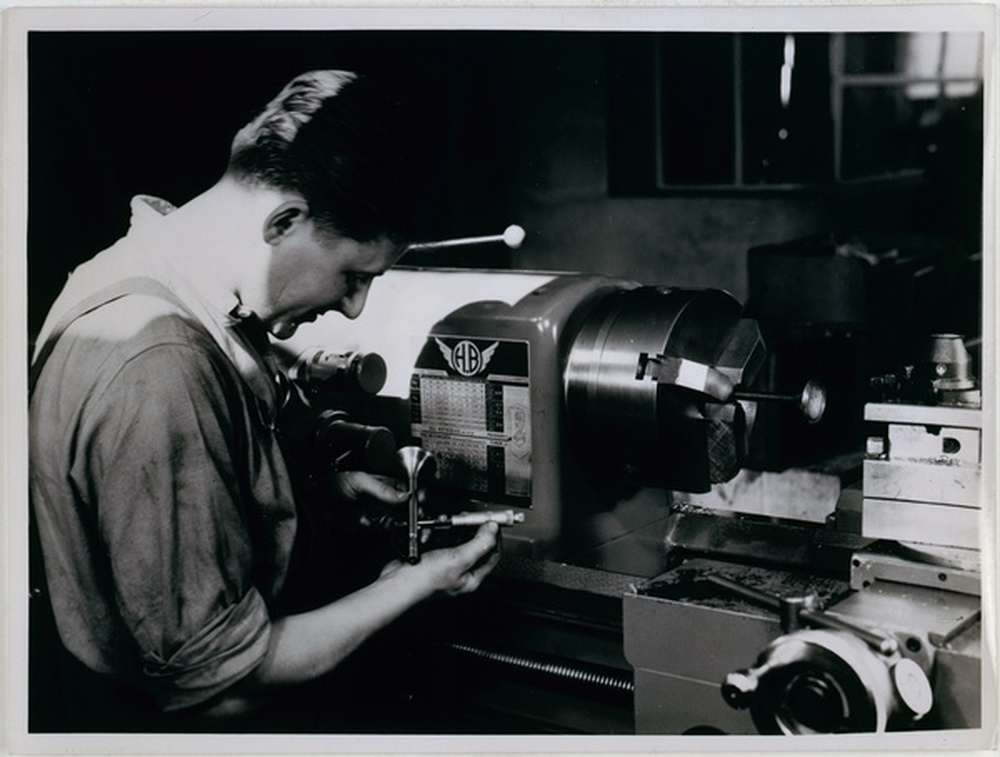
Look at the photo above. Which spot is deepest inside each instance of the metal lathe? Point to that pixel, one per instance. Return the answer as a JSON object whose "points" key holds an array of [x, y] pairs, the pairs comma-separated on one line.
{"points": [[651, 581]]}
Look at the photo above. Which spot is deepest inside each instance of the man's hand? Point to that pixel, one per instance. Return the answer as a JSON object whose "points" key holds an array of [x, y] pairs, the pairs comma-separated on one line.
{"points": [[454, 570], [358, 486]]}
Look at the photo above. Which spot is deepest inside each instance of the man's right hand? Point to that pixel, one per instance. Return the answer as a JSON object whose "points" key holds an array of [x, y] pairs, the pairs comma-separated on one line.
{"points": [[454, 570]]}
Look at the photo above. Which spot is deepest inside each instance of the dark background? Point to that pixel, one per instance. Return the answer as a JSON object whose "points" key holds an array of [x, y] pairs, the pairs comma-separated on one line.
{"points": [[112, 115]]}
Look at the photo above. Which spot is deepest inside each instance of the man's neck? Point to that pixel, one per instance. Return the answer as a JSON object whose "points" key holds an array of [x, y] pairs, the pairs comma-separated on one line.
{"points": [[221, 230]]}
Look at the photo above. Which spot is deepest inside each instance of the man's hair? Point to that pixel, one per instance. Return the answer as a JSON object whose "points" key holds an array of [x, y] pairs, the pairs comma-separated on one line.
{"points": [[336, 138]]}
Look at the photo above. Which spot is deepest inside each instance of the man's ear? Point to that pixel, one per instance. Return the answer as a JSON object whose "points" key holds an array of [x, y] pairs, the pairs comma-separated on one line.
{"points": [[284, 219]]}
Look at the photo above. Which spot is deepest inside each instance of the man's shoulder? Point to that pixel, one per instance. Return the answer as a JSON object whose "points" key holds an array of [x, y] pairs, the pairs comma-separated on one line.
{"points": [[137, 344], [135, 332], [135, 319]]}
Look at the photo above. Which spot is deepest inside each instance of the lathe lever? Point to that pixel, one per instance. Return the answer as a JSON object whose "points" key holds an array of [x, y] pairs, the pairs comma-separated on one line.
{"points": [[513, 237], [796, 611]]}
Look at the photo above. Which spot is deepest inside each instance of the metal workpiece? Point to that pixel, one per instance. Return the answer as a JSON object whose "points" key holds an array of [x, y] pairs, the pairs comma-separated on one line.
{"points": [[811, 401]]}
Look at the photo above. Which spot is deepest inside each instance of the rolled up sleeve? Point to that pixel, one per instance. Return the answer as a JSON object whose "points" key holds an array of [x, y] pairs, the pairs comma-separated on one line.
{"points": [[223, 652]]}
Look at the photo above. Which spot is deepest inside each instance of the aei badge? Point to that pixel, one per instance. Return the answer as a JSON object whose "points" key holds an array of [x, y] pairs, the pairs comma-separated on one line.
{"points": [[465, 357], [471, 407]]}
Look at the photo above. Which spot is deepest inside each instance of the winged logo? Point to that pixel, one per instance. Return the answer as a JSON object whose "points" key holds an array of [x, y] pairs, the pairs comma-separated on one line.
{"points": [[465, 358]]}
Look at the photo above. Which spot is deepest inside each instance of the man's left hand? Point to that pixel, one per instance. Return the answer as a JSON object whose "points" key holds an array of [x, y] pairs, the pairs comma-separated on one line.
{"points": [[358, 486]]}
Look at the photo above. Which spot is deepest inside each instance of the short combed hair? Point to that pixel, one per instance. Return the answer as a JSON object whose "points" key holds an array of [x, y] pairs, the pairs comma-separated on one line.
{"points": [[336, 138]]}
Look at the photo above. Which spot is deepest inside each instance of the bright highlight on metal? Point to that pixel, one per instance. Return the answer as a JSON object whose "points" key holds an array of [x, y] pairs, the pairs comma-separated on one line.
{"points": [[512, 236]]}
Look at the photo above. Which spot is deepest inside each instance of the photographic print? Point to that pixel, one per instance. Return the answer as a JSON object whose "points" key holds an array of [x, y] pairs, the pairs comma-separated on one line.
{"points": [[469, 379]]}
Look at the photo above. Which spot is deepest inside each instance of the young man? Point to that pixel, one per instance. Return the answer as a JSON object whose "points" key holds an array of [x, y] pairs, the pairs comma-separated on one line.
{"points": [[162, 501]]}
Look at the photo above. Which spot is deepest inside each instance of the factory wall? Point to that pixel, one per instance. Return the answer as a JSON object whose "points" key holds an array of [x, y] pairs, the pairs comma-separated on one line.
{"points": [[683, 240]]}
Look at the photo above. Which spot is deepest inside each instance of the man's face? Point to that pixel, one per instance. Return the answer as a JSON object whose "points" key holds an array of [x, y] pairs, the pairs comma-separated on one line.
{"points": [[314, 272]]}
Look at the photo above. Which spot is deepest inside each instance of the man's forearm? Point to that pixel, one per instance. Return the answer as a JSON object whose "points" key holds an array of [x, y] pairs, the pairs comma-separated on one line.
{"points": [[306, 646]]}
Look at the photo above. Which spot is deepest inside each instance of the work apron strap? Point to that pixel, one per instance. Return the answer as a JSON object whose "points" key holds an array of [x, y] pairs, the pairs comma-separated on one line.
{"points": [[123, 288]]}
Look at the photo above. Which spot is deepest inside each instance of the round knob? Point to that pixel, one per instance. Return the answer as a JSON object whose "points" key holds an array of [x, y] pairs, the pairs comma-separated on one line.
{"points": [[739, 688], [369, 372], [513, 236], [812, 401], [913, 687]]}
